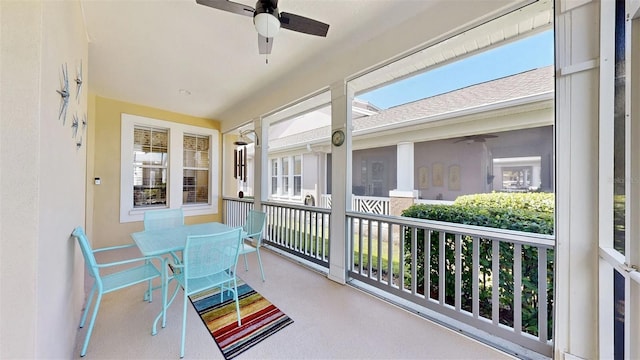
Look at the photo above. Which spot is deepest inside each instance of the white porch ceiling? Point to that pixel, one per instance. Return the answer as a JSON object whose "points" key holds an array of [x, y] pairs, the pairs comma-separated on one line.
{"points": [[146, 51]]}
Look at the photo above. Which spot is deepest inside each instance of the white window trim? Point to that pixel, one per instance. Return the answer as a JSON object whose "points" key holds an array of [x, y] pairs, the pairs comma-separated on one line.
{"points": [[278, 177], [289, 195], [293, 176], [611, 260], [176, 132]]}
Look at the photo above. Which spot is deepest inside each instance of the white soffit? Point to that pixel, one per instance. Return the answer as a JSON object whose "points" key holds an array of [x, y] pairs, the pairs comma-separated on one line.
{"points": [[525, 21], [312, 103]]}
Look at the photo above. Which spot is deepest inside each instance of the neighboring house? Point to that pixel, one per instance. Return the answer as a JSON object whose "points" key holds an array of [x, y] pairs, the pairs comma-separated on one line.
{"points": [[496, 135]]}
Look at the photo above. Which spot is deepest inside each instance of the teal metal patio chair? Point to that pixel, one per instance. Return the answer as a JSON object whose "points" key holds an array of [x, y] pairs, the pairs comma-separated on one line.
{"points": [[208, 262], [128, 274], [253, 228], [162, 219]]}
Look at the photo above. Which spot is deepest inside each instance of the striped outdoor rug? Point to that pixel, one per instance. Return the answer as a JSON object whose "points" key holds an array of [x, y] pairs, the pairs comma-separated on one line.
{"points": [[260, 318]]}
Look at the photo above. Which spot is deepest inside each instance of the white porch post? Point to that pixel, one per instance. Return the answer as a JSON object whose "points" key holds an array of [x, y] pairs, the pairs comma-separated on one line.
{"points": [[260, 163], [402, 197], [405, 167], [575, 332], [341, 99]]}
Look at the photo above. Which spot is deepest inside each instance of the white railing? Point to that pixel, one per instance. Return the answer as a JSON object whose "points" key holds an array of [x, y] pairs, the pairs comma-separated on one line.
{"points": [[434, 264], [299, 230], [370, 204], [366, 204], [235, 210], [325, 201], [511, 296]]}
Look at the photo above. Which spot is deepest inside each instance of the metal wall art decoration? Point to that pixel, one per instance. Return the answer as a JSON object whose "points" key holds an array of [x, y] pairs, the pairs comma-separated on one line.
{"points": [[64, 94], [64, 103], [74, 125], [78, 82], [84, 122]]}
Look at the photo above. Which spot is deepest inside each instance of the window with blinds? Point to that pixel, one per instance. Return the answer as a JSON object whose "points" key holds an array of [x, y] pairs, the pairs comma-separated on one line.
{"points": [[150, 166], [274, 177], [195, 172], [297, 175], [285, 176]]}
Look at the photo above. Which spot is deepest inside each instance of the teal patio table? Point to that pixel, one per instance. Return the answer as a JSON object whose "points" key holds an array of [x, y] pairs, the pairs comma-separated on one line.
{"points": [[169, 241]]}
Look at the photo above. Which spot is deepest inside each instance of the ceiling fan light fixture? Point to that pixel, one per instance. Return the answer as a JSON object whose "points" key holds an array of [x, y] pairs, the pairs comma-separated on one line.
{"points": [[266, 24]]}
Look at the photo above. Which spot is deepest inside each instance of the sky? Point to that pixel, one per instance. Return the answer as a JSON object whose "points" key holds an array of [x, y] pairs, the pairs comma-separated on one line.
{"points": [[530, 53]]}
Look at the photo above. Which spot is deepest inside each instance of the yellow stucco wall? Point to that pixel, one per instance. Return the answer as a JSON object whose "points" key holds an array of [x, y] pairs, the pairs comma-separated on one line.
{"points": [[105, 164], [42, 177]]}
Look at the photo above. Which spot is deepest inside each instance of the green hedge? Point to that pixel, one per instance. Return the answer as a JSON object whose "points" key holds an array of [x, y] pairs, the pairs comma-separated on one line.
{"points": [[528, 212], [537, 202], [493, 217]]}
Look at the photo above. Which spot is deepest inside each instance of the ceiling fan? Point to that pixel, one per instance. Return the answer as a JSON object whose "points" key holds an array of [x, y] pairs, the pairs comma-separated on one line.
{"points": [[469, 139], [268, 20]]}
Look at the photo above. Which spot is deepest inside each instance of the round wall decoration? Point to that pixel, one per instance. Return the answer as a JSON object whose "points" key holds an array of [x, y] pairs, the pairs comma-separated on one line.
{"points": [[337, 138]]}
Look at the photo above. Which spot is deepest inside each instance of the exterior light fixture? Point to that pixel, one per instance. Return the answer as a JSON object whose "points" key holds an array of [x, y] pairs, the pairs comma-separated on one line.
{"points": [[245, 140]]}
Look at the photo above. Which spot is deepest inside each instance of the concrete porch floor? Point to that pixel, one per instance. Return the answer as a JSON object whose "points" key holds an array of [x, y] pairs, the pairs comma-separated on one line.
{"points": [[331, 321]]}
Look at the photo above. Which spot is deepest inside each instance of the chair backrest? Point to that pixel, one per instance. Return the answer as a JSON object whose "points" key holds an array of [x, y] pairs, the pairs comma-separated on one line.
{"points": [[87, 252], [163, 219], [211, 254], [254, 224]]}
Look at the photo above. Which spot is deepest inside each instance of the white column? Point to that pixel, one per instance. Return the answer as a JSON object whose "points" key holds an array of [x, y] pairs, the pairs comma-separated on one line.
{"points": [[577, 224], [341, 99], [405, 172], [260, 163]]}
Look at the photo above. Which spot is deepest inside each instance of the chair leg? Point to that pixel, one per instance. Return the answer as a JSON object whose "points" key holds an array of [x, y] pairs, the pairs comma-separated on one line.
{"points": [[87, 306], [91, 323], [246, 265], [184, 323], [149, 293], [260, 262], [165, 304], [235, 297]]}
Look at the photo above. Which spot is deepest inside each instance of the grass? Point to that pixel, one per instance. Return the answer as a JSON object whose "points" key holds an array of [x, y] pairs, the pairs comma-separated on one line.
{"points": [[376, 253], [309, 243]]}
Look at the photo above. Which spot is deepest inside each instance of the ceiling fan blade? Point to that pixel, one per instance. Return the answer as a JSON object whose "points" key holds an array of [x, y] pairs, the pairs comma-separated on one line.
{"points": [[229, 6], [302, 24], [264, 44]]}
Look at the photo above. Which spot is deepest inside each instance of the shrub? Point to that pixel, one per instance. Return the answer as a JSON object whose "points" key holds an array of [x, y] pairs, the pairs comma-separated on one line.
{"points": [[528, 212], [538, 202], [501, 218]]}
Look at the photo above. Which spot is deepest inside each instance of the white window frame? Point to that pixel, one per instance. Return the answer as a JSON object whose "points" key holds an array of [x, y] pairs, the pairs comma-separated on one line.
{"points": [[174, 184], [293, 175], [281, 194], [286, 185], [628, 264], [276, 176]]}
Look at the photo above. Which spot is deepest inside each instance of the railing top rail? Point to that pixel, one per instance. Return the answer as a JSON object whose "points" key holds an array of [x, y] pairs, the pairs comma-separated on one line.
{"points": [[245, 200], [298, 206], [547, 241]]}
